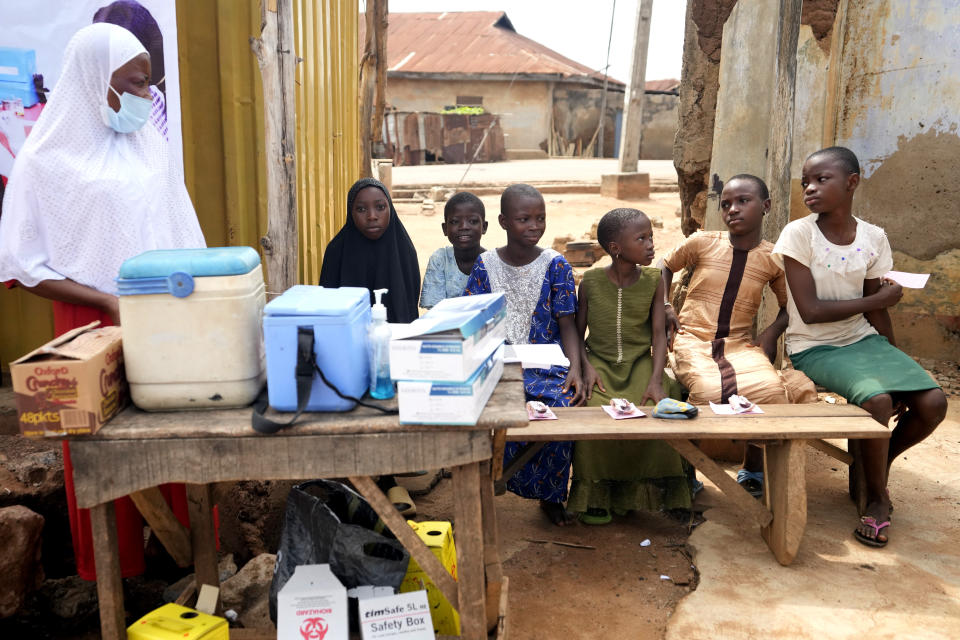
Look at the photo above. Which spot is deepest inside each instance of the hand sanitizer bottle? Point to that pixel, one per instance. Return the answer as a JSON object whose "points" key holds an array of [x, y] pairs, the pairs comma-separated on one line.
{"points": [[381, 387]]}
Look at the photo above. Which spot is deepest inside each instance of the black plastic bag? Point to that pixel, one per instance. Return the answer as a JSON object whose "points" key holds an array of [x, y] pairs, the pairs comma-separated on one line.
{"points": [[326, 522]]}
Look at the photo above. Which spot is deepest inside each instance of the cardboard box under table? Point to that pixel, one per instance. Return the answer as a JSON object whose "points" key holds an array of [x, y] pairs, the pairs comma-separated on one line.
{"points": [[138, 450]]}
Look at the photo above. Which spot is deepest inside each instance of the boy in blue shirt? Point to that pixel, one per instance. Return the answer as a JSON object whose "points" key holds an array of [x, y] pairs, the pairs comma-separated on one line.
{"points": [[464, 222]]}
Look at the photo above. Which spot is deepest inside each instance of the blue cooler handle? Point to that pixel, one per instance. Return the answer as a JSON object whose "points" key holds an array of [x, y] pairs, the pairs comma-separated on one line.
{"points": [[306, 365]]}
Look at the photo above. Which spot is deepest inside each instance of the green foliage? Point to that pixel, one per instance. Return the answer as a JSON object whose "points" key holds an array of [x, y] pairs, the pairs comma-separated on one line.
{"points": [[467, 111]]}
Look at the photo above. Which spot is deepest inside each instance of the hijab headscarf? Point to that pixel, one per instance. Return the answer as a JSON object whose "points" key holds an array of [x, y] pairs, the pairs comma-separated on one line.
{"points": [[389, 262], [82, 198]]}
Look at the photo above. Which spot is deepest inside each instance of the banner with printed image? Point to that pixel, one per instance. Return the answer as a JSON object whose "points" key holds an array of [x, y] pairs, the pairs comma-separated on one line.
{"points": [[32, 41]]}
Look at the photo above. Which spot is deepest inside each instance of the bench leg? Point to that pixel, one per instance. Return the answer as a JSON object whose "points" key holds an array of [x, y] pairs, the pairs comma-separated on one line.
{"points": [[786, 495], [106, 557], [858, 478]]}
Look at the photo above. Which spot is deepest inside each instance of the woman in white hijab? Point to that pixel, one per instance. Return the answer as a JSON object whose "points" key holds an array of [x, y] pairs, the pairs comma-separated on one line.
{"points": [[90, 188]]}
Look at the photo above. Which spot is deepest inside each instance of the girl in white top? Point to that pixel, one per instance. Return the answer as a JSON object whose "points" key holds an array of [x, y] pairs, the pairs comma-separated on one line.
{"points": [[840, 333]]}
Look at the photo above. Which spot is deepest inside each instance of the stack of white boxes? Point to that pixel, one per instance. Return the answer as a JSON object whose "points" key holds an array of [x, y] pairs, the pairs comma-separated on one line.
{"points": [[447, 362]]}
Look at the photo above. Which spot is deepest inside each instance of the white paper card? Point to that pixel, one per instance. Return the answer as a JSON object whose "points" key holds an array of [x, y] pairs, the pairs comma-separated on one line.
{"points": [[535, 356], [909, 280], [636, 413], [405, 615], [727, 410]]}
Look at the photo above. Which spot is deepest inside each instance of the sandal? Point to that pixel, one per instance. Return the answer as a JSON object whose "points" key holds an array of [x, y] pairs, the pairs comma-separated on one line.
{"points": [[595, 516], [400, 498], [751, 481], [874, 541]]}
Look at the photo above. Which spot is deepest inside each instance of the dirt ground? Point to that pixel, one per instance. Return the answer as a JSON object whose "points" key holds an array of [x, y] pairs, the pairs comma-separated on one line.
{"points": [[611, 589], [567, 214]]}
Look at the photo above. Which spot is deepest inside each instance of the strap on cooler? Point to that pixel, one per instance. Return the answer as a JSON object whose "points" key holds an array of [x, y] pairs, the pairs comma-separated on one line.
{"points": [[306, 366]]}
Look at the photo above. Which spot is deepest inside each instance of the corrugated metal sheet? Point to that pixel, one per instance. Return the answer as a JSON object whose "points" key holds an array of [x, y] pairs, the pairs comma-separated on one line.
{"points": [[328, 147], [223, 137], [472, 42]]}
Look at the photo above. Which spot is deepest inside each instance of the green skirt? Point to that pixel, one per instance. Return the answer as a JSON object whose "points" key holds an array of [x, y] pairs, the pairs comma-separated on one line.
{"points": [[863, 369], [628, 475]]}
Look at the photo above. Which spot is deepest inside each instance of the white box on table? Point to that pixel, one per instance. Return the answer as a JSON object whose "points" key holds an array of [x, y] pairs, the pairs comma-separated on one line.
{"points": [[312, 604], [450, 403], [449, 342]]}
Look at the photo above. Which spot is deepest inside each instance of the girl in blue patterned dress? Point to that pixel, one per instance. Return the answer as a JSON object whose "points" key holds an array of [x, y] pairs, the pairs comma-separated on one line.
{"points": [[541, 307]]}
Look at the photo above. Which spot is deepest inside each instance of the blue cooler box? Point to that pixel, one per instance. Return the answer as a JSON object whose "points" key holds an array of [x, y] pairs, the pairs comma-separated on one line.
{"points": [[340, 319], [17, 67]]}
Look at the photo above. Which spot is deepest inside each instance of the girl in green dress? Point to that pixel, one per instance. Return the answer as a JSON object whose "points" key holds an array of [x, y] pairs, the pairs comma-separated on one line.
{"points": [[625, 353]]}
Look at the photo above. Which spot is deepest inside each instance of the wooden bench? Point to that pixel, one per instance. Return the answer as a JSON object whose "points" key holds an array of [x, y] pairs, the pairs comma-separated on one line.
{"points": [[783, 431]]}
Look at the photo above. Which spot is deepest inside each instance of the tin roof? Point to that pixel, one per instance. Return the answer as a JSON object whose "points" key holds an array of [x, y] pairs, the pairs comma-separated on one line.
{"points": [[472, 42]]}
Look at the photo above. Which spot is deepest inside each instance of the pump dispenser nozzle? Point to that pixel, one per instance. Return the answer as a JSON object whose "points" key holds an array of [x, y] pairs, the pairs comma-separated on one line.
{"points": [[379, 311]]}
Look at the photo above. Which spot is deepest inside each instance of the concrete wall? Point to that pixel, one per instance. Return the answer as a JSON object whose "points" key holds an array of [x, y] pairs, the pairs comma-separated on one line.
{"points": [[884, 80], [898, 110], [576, 115], [524, 106], [744, 99], [660, 121]]}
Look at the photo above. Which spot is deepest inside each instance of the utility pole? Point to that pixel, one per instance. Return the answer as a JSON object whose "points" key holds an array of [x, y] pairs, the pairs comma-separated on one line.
{"points": [[633, 99]]}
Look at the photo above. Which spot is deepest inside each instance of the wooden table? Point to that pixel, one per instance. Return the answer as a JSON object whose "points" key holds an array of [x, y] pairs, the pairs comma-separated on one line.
{"points": [[783, 430], [138, 451]]}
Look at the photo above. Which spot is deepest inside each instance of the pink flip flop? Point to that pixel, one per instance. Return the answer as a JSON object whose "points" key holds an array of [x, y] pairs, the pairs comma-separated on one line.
{"points": [[871, 542]]}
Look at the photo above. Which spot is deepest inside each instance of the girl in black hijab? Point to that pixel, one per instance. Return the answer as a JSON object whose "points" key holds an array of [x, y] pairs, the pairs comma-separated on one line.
{"points": [[374, 251]]}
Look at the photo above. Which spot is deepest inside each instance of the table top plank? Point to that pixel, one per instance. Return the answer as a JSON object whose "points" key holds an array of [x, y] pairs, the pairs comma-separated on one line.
{"points": [[505, 409], [108, 469], [784, 421]]}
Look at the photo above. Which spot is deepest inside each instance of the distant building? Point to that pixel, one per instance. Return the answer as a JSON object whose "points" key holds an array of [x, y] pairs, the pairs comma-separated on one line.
{"points": [[547, 103]]}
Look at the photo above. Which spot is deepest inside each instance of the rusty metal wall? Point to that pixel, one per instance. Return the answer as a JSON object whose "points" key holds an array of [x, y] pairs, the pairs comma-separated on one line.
{"points": [[223, 137]]}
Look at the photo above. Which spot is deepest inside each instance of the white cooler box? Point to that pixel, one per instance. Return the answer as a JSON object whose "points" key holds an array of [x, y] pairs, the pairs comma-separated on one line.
{"points": [[191, 327]]}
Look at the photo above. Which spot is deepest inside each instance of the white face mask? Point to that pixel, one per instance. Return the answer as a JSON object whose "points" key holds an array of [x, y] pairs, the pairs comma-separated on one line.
{"points": [[134, 112]]}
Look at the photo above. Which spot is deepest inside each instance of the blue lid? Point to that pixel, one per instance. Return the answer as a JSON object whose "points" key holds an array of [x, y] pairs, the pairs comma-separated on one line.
{"points": [[214, 261], [311, 300]]}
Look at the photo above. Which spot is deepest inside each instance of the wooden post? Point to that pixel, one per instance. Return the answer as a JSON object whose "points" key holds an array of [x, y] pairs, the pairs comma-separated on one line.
{"points": [[203, 536], [780, 145], [276, 57], [373, 82], [633, 100], [780, 141], [468, 520], [106, 558]]}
